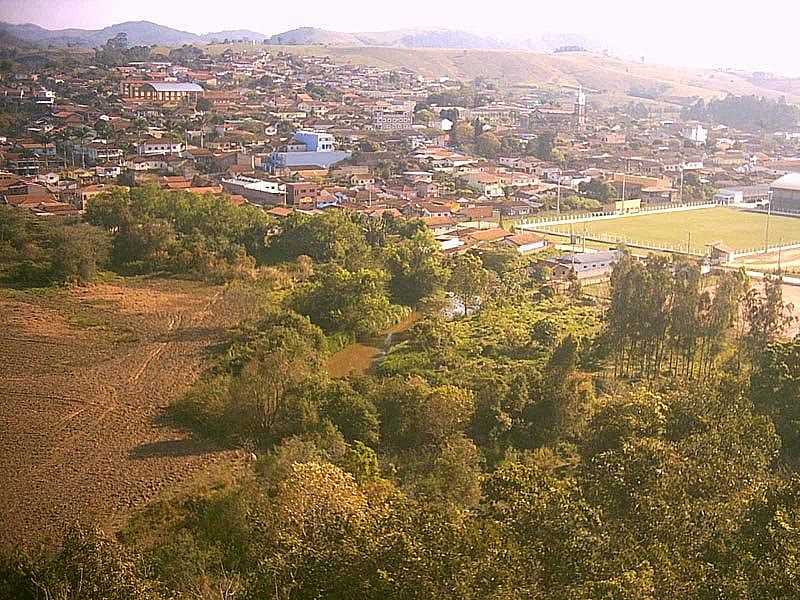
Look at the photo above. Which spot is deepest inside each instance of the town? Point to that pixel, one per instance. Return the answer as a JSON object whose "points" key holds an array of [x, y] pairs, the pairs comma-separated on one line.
{"points": [[473, 160], [413, 314]]}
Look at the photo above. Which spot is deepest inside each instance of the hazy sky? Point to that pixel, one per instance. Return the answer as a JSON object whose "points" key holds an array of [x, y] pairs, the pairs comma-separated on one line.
{"points": [[716, 33]]}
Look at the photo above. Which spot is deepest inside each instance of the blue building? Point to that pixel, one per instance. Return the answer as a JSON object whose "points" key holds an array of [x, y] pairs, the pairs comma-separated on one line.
{"points": [[308, 148]]}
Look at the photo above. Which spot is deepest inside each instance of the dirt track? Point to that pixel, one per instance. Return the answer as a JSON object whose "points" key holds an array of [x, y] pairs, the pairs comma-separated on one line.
{"points": [[84, 378]]}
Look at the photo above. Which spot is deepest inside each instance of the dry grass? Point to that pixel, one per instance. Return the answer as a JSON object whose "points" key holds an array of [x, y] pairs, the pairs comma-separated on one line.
{"points": [[86, 374], [604, 75]]}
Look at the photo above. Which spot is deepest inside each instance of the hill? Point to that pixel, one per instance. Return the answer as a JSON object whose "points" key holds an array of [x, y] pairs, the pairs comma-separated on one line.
{"points": [[604, 75], [234, 34], [139, 33], [148, 33], [314, 36]]}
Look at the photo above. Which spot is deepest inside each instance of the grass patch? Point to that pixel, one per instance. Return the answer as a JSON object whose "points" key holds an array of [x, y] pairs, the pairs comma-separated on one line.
{"points": [[738, 229], [86, 320]]}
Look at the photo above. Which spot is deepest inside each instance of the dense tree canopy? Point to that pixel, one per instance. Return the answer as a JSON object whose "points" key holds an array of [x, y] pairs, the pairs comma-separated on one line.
{"points": [[747, 112], [43, 251], [155, 230]]}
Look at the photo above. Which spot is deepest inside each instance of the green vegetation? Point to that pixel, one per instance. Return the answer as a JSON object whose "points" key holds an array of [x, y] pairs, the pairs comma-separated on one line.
{"points": [[41, 252], [747, 112], [204, 235], [536, 445]]}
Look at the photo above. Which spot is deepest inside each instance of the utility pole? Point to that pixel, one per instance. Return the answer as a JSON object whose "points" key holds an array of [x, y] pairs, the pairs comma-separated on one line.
{"points": [[681, 192], [584, 237], [689, 244], [766, 227], [558, 198]]}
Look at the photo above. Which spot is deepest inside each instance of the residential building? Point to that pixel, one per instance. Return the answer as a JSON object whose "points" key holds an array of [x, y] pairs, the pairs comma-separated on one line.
{"points": [[751, 195], [161, 92], [96, 152], [159, 146], [584, 266], [297, 190], [257, 191], [526, 242], [393, 120], [308, 148]]}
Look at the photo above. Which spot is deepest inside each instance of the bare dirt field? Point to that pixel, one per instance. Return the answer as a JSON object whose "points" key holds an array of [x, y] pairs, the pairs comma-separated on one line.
{"points": [[788, 260], [85, 375]]}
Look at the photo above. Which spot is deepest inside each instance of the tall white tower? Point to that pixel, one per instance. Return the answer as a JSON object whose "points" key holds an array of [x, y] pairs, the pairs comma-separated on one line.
{"points": [[580, 107]]}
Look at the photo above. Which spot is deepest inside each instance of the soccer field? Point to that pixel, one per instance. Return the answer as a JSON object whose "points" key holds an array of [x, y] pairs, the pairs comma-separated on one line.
{"points": [[739, 230]]}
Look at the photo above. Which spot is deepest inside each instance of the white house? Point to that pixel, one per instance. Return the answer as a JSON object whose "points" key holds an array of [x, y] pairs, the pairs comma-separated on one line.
{"points": [[695, 133], [97, 151], [159, 146], [146, 163], [526, 242]]}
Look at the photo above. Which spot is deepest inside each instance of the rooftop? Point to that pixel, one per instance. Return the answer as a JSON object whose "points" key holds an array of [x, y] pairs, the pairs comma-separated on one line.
{"points": [[175, 87], [790, 181]]}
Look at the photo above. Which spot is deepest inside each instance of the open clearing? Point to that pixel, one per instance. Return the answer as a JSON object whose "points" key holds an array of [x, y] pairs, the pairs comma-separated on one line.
{"points": [[85, 376], [738, 229]]}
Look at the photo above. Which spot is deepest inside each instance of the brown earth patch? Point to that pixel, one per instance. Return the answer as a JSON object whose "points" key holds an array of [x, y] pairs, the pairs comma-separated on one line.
{"points": [[85, 376]]}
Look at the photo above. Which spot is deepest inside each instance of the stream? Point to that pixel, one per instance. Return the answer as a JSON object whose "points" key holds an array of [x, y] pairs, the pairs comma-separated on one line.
{"points": [[357, 358]]}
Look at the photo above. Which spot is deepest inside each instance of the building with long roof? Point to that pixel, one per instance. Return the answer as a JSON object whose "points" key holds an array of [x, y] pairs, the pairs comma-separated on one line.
{"points": [[161, 91], [786, 193]]}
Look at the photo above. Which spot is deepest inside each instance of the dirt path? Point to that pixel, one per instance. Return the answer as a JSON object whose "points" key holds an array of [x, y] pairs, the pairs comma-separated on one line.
{"points": [[80, 407]]}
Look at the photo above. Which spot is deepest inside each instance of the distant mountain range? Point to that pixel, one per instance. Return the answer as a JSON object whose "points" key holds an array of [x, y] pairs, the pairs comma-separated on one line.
{"points": [[146, 33]]}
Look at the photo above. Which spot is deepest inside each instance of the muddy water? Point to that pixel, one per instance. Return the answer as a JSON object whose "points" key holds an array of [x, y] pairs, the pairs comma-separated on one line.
{"points": [[357, 358]]}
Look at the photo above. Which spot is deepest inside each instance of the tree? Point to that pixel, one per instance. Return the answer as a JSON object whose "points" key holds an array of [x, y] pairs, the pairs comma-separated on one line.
{"points": [[775, 385], [414, 414], [333, 236], [462, 133], [204, 105], [469, 281], [424, 117], [416, 268], [154, 229], [598, 190], [450, 473], [353, 302], [79, 251], [352, 412], [87, 565], [767, 316], [45, 251], [262, 401], [488, 145], [545, 143], [322, 525]]}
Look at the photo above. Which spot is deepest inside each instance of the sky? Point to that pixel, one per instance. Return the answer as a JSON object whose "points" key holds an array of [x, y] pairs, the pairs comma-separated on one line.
{"points": [[703, 33]]}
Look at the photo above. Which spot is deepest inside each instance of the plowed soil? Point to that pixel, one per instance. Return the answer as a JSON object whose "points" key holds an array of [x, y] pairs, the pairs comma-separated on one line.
{"points": [[85, 376]]}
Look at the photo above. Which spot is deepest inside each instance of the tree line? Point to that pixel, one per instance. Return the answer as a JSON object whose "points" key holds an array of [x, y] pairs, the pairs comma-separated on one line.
{"points": [[664, 319]]}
